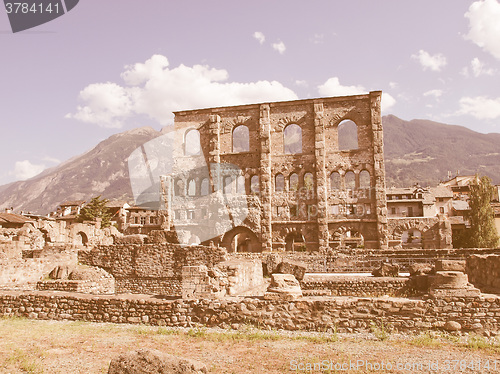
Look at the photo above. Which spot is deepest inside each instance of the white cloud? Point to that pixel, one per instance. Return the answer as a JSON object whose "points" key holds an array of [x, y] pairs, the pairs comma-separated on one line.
{"points": [[479, 69], [318, 39], [484, 25], [435, 93], [332, 87], [106, 105], [301, 83], [434, 62], [25, 169], [480, 107], [280, 47], [52, 160], [393, 85], [153, 89], [261, 38]]}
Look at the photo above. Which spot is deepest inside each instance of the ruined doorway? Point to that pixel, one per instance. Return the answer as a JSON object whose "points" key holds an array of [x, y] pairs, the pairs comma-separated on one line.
{"points": [[294, 242], [241, 240]]}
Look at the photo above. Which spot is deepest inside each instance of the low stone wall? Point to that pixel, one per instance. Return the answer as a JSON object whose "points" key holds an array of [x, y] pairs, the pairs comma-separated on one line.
{"points": [[484, 272], [104, 286], [150, 268], [336, 285], [346, 314]]}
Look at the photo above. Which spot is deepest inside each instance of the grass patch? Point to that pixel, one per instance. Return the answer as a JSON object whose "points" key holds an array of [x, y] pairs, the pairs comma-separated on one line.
{"points": [[480, 342], [426, 340], [25, 362], [380, 330]]}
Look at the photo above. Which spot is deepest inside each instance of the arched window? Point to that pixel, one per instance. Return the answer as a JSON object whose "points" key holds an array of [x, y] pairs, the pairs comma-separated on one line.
{"points": [[309, 181], [335, 181], [347, 135], [228, 185], [294, 182], [192, 143], [292, 139], [350, 180], [364, 179], [279, 182], [204, 187], [254, 184], [192, 187], [179, 187], [241, 139], [240, 185]]}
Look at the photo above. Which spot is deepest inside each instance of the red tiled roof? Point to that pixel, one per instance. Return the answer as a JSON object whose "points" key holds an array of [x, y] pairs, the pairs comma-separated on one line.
{"points": [[13, 218]]}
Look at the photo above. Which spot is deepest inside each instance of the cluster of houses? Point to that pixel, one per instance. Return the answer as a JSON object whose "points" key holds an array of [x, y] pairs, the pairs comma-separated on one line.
{"points": [[449, 199]]}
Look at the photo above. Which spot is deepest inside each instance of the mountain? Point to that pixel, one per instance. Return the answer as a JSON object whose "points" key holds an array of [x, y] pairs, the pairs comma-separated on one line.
{"points": [[415, 151], [425, 151], [100, 171]]}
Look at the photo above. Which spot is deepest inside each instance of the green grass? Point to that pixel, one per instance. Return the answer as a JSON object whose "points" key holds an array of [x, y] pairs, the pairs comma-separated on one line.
{"points": [[380, 330], [426, 339]]}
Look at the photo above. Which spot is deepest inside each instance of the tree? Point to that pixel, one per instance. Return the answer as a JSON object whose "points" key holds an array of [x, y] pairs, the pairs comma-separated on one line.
{"points": [[96, 208], [482, 232]]}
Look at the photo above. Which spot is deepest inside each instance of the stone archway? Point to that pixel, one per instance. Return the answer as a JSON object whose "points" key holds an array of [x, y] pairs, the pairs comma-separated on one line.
{"points": [[82, 238], [295, 242], [346, 237], [241, 239]]}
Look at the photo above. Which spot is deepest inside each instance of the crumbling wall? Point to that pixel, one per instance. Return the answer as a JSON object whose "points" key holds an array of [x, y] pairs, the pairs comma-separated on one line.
{"points": [[484, 272], [436, 232], [149, 268]]}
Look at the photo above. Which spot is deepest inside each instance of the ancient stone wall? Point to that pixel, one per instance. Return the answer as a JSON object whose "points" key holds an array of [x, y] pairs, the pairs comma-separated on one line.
{"points": [[484, 272], [289, 158], [149, 268], [435, 232], [345, 314], [335, 285]]}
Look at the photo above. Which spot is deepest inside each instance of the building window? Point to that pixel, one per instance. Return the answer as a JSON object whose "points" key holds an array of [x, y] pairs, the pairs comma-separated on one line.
{"points": [[292, 139], [177, 214], [393, 210], [350, 180], [192, 187], [192, 143], [152, 220], [364, 179], [190, 214], [228, 185], [294, 182], [204, 187], [241, 139], [410, 211], [348, 135], [240, 185], [309, 181], [441, 210], [143, 220], [293, 211], [279, 181], [254, 184], [335, 181]]}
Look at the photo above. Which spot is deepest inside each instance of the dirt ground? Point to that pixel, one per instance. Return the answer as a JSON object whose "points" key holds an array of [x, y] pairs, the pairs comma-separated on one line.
{"points": [[31, 346]]}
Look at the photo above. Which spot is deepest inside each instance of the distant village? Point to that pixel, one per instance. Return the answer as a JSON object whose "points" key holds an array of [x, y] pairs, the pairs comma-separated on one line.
{"points": [[448, 200]]}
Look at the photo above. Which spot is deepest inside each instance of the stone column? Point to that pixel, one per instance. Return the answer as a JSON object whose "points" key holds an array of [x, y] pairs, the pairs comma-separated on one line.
{"points": [[379, 168], [213, 158], [265, 177], [321, 179]]}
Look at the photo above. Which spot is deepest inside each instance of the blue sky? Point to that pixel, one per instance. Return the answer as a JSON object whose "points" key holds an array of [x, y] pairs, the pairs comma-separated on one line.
{"points": [[108, 66]]}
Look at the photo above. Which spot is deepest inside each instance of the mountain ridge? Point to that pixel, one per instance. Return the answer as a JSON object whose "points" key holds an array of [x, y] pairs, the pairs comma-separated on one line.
{"points": [[419, 150]]}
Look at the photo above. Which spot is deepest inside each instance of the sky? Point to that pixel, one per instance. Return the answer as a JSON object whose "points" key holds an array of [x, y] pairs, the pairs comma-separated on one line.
{"points": [[110, 66]]}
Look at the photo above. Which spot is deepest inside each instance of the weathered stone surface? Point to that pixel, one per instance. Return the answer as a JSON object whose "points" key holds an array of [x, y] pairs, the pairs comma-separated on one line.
{"points": [[448, 279], [420, 269], [61, 272], [452, 326], [296, 268], [386, 270], [450, 265], [283, 286], [484, 272], [131, 239], [149, 361]]}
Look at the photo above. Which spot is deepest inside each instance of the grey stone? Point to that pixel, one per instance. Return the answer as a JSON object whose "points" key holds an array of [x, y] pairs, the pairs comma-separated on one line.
{"points": [[146, 361], [420, 269], [450, 265], [283, 286], [449, 279]]}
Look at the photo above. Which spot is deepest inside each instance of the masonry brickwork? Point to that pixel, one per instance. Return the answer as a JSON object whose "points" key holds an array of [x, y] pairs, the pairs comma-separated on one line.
{"points": [[303, 210], [478, 314]]}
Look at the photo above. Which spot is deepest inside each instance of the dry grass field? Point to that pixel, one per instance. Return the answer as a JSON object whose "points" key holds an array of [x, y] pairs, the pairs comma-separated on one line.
{"points": [[31, 346]]}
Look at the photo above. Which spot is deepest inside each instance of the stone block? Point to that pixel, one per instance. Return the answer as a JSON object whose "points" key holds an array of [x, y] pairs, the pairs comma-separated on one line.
{"points": [[420, 269], [283, 287], [296, 268], [386, 270], [448, 279], [145, 361], [450, 265]]}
